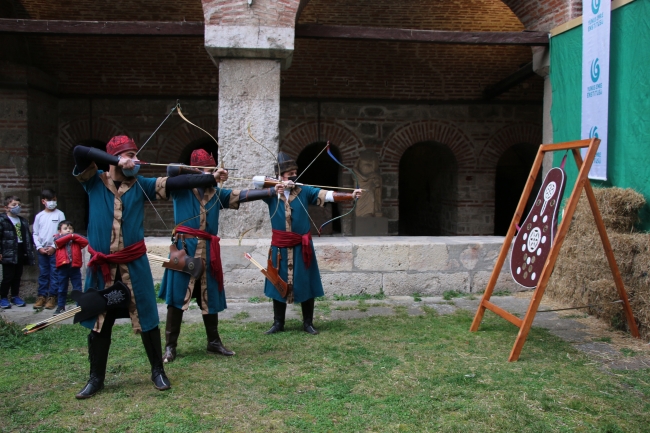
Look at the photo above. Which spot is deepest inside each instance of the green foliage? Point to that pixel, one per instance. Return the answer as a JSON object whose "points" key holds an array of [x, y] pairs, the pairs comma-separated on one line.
{"points": [[381, 374], [10, 335], [417, 297], [241, 315], [628, 352], [254, 300], [451, 294], [360, 297]]}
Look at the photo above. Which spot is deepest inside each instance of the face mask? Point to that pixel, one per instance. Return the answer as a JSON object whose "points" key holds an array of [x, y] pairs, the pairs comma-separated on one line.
{"points": [[15, 210], [51, 205], [293, 178], [132, 172]]}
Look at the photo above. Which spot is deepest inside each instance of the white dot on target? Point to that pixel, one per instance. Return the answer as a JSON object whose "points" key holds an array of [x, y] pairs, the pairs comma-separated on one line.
{"points": [[535, 219], [543, 239], [523, 247], [532, 277], [539, 252], [525, 236], [545, 218], [519, 270], [528, 261]]}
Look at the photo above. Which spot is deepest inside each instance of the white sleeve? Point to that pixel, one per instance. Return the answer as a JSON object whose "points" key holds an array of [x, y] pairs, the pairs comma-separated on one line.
{"points": [[329, 197], [37, 225]]}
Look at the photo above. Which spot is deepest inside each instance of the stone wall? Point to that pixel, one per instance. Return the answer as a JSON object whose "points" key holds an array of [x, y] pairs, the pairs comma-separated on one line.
{"points": [[357, 265], [477, 134]]}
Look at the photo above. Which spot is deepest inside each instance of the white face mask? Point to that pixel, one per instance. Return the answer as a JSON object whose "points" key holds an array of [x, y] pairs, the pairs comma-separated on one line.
{"points": [[51, 205]]}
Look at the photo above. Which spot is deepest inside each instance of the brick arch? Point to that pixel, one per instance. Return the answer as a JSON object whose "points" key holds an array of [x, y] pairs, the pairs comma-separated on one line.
{"points": [[417, 132], [506, 137], [183, 134], [70, 194], [306, 133], [71, 133], [543, 15]]}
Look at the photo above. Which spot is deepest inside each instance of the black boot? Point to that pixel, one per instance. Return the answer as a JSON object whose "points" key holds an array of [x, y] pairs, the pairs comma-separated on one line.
{"points": [[211, 322], [151, 342], [98, 356], [279, 312], [172, 330], [308, 316]]}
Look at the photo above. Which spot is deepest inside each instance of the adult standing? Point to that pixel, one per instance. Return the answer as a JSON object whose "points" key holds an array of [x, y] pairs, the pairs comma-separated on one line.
{"points": [[116, 237], [291, 237], [198, 211]]}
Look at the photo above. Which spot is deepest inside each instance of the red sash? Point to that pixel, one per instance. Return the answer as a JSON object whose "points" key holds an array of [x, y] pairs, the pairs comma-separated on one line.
{"points": [[282, 239], [126, 255], [215, 251]]}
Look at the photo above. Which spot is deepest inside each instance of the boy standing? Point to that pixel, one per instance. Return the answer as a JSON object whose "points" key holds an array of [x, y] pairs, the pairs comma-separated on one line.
{"points": [[16, 250], [45, 227], [68, 261]]}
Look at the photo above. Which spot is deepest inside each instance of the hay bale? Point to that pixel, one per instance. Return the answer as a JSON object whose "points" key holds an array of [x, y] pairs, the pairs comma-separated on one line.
{"points": [[582, 275], [619, 208]]}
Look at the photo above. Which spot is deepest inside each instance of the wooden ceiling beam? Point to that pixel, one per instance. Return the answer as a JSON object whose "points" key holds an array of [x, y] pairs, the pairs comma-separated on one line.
{"points": [[317, 31], [431, 36]]}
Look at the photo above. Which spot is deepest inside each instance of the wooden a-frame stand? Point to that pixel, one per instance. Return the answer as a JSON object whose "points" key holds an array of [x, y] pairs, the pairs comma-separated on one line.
{"points": [[581, 182]]}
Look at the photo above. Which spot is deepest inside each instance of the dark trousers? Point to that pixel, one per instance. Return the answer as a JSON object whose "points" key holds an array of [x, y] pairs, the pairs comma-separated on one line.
{"points": [[65, 274], [47, 281], [11, 274]]}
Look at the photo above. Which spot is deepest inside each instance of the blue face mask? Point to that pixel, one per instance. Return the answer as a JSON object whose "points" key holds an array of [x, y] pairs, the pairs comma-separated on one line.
{"points": [[15, 210], [132, 172]]}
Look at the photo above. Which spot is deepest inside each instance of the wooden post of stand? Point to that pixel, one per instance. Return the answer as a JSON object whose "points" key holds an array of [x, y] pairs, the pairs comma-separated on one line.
{"points": [[581, 182]]}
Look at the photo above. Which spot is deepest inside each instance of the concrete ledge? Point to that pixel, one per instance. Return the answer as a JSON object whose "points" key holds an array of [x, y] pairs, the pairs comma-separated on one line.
{"points": [[355, 265], [399, 266]]}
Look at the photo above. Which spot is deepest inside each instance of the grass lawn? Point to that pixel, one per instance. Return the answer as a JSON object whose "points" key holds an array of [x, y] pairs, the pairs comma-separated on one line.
{"points": [[382, 374]]}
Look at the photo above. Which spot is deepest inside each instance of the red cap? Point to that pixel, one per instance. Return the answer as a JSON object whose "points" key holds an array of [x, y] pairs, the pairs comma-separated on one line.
{"points": [[201, 158], [119, 144]]}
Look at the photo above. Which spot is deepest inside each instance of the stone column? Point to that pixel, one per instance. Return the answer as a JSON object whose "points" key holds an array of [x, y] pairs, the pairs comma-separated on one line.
{"points": [[250, 42], [249, 94], [541, 66]]}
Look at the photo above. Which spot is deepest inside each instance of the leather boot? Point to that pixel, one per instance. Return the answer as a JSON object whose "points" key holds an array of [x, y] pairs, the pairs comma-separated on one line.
{"points": [[211, 322], [279, 312], [308, 316], [98, 356], [172, 330], [151, 342]]}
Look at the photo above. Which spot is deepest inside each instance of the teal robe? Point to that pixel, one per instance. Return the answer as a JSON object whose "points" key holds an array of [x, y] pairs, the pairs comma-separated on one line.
{"points": [[107, 230], [175, 284], [306, 281]]}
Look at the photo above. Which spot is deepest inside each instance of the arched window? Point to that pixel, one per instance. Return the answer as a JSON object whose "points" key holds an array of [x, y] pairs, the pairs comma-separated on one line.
{"points": [[427, 191], [512, 173], [323, 171]]}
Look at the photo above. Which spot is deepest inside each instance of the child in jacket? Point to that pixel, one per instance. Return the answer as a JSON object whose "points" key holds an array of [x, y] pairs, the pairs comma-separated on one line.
{"points": [[69, 260]]}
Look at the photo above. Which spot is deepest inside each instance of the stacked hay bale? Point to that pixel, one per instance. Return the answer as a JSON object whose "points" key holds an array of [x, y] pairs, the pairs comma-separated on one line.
{"points": [[582, 275]]}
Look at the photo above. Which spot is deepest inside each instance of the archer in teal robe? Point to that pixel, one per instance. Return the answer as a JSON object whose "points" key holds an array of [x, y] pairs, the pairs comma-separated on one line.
{"points": [[104, 222], [175, 284], [307, 283]]}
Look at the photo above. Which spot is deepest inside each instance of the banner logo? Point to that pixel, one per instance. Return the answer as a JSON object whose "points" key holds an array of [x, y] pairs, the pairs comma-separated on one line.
{"points": [[595, 70], [593, 132], [595, 6]]}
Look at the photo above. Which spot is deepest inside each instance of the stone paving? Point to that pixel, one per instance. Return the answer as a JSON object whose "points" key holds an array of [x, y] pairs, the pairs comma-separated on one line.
{"points": [[568, 327]]}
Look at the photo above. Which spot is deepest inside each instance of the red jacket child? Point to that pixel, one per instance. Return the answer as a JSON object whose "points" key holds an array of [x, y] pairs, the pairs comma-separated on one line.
{"points": [[68, 249]]}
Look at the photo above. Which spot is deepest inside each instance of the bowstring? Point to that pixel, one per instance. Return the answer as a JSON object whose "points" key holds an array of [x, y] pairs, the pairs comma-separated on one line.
{"points": [[356, 181], [277, 160]]}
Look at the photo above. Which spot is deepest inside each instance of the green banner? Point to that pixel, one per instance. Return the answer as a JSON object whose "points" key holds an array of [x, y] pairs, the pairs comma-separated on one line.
{"points": [[629, 100]]}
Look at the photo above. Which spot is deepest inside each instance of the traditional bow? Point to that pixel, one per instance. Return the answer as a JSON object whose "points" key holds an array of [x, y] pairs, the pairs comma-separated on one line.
{"points": [[356, 184]]}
